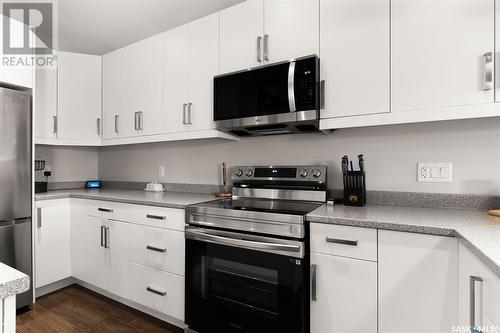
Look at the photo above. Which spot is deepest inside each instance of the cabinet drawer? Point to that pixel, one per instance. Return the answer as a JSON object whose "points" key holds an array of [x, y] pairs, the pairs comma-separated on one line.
{"points": [[110, 210], [157, 290], [158, 248], [169, 218], [351, 242]]}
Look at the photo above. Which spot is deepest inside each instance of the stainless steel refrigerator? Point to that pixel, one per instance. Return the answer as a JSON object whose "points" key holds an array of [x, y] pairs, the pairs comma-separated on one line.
{"points": [[15, 184]]}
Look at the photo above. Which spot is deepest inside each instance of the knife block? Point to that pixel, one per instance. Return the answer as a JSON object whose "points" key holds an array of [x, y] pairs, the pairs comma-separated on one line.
{"points": [[355, 188]]}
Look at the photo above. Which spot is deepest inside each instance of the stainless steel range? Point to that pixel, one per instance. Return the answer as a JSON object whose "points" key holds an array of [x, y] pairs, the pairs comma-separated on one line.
{"points": [[247, 262]]}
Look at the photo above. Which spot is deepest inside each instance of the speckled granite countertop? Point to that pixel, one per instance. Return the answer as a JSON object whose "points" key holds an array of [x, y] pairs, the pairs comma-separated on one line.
{"points": [[476, 229], [160, 199], [12, 282]]}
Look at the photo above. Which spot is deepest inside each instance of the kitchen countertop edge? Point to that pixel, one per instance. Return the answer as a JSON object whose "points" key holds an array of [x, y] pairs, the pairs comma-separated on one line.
{"points": [[12, 282]]}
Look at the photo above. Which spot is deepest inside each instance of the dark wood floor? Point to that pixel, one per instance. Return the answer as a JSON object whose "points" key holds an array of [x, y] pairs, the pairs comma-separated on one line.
{"points": [[76, 309]]}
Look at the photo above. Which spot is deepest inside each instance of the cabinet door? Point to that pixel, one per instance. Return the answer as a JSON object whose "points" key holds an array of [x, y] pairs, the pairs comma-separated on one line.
{"points": [[497, 51], [87, 247], [240, 26], [45, 102], [203, 66], [486, 305], [348, 29], [176, 89], [113, 96], [346, 295], [52, 242], [291, 29], [438, 52], [417, 282], [79, 96], [118, 257]]}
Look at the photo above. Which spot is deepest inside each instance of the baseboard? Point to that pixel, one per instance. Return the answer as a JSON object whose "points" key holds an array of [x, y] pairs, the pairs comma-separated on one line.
{"points": [[50, 288]]}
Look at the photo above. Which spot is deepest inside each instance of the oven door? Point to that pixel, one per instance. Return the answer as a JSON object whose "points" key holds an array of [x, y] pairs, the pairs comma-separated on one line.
{"points": [[243, 283]]}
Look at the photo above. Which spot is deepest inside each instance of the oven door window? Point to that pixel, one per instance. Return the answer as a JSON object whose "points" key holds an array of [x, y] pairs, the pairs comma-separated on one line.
{"points": [[230, 289]]}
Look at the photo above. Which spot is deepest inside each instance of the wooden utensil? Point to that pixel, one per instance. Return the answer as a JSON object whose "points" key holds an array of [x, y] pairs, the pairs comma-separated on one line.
{"points": [[494, 212], [224, 193]]}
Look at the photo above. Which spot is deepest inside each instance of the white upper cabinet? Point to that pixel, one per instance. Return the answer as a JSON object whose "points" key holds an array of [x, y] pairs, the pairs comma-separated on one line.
{"points": [[257, 32], [354, 56], [113, 88], [79, 97], [191, 62], [45, 103], [291, 29], [439, 50], [241, 36]]}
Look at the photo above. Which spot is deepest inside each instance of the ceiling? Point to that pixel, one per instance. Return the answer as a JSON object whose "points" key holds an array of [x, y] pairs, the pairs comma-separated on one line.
{"points": [[101, 26]]}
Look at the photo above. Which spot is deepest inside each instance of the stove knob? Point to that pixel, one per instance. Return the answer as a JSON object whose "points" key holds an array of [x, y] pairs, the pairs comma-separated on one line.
{"points": [[249, 173], [303, 173], [316, 173], [239, 172]]}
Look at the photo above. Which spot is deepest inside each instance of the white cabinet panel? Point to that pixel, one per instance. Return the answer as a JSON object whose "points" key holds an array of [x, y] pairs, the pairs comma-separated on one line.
{"points": [[240, 25], [118, 257], [169, 218], [79, 96], [52, 242], [45, 102], [497, 50], [355, 56], [437, 53], [292, 28], [417, 282], [346, 295], [113, 90]]}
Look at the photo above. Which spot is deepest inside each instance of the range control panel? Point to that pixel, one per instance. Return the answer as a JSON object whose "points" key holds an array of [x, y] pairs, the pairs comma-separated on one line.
{"points": [[314, 173]]}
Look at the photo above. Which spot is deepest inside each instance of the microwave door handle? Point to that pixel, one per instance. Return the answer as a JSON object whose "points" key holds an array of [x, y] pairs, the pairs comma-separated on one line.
{"points": [[291, 86]]}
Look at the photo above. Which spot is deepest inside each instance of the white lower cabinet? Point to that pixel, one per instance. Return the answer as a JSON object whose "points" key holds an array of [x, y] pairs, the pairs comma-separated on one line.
{"points": [[158, 290], [345, 299], [52, 241], [117, 257]]}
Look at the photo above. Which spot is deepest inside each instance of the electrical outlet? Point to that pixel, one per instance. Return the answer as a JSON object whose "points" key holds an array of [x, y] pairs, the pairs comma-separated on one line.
{"points": [[434, 172], [161, 171]]}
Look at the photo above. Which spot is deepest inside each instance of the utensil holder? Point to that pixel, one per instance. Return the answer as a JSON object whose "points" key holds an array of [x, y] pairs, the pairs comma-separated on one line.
{"points": [[355, 188]]}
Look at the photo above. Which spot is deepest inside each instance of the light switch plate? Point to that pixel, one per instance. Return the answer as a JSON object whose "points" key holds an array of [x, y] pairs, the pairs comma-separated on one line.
{"points": [[434, 172]]}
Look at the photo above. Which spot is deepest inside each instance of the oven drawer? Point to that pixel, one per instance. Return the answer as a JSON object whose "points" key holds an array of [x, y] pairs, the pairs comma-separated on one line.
{"points": [[158, 248], [157, 290], [351, 242], [110, 210], [169, 218]]}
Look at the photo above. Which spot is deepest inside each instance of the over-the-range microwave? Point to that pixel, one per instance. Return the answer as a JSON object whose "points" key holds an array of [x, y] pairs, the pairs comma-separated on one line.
{"points": [[271, 99]]}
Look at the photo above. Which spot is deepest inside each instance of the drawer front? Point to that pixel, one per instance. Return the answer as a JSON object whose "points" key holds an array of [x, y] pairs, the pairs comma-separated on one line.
{"points": [[111, 210], [159, 291], [158, 248], [169, 218], [351, 242]]}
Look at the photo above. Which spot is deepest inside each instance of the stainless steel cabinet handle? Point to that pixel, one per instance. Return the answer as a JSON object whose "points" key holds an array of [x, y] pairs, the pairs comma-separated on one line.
{"points": [[266, 47], [54, 118], [342, 241], [291, 87], [259, 43], [106, 210], [98, 126], [102, 235], [141, 120], [117, 118], [488, 71], [322, 94], [184, 106], [189, 113], [314, 277], [106, 237], [472, 285], [156, 217], [157, 292], [156, 249], [39, 217]]}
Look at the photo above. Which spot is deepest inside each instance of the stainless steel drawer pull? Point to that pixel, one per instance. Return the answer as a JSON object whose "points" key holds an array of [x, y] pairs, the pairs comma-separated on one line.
{"points": [[156, 217], [102, 235], [342, 241], [157, 292], [106, 237], [39, 217], [106, 210], [156, 249], [472, 285], [488, 71], [314, 277]]}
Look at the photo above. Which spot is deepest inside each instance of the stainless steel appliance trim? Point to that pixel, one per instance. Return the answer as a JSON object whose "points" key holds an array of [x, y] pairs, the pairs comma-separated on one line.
{"points": [[472, 287], [189, 113], [259, 43], [297, 178], [184, 106], [278, 118], [155, 249], [102, 235], [275, 194], [98, 126], [106, 210], [291, 87], [266, 47], [314, 277], [54, 119], [488, 71], [257, 226], [250, 242], [157, 292], [156, 217], [117, 118], [342, 241]]}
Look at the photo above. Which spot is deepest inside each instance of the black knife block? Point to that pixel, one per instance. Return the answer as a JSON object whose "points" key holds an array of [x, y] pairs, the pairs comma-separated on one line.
{"points": [[355, 188]]}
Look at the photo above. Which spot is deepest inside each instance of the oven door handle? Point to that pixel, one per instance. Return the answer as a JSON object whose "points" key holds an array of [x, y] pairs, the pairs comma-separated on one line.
{"points": [[247, 244]]}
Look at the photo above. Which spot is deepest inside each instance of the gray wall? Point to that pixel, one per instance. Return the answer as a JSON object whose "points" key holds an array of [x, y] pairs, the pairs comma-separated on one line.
{"points": [[68, 163], [391, 154]]}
